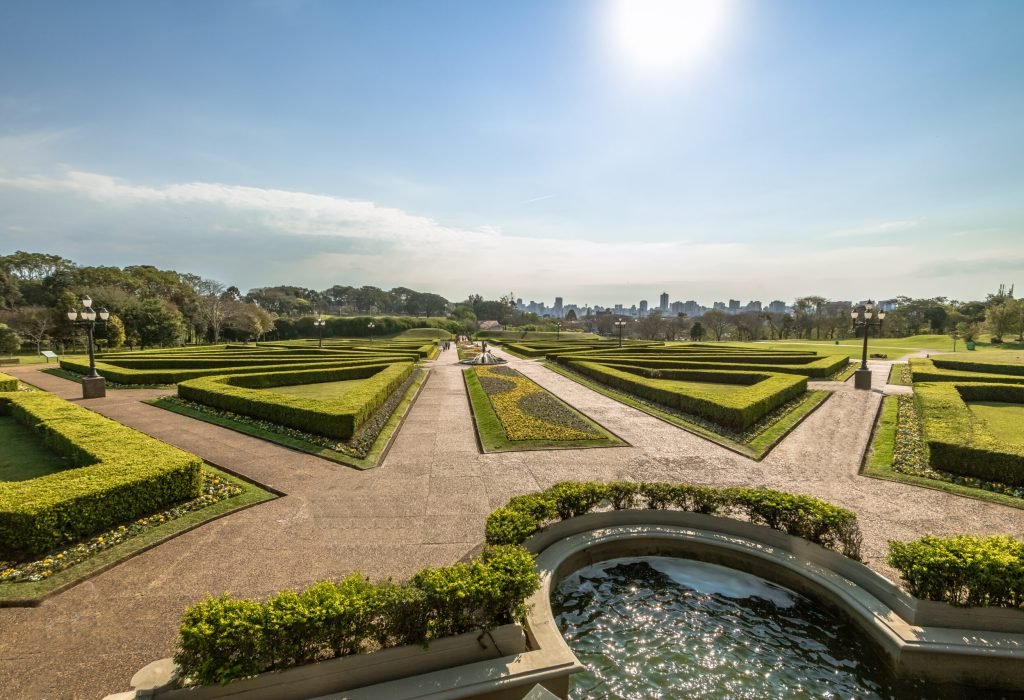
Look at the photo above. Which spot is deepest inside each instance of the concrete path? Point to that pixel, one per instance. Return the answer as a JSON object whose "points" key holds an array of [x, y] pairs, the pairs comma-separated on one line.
{"points": [[424, 506]]}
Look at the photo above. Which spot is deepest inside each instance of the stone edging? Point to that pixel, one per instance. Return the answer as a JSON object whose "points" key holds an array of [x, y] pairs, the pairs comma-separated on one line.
{"points": [[925, 639]]}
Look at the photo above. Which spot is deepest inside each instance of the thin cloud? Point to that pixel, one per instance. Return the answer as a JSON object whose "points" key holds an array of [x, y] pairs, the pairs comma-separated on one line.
{"points": [[538, 199], [878, 229]]}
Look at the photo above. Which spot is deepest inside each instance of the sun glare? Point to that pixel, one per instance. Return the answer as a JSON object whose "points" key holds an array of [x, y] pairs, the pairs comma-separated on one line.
{"points": [[665, 35]]}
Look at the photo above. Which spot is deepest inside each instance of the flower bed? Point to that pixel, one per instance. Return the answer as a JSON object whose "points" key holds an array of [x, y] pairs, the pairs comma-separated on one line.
{"points": [[528, 412]]}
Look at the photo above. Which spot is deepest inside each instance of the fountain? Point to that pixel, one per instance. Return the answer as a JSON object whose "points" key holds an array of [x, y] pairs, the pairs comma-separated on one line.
{"points": [[484, 358]]}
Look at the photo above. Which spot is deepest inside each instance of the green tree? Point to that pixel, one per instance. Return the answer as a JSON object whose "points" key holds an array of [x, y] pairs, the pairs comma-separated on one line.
{"points": [[114, 332], [696, 331], [1002, 318], [10, 341], [153, 322]]}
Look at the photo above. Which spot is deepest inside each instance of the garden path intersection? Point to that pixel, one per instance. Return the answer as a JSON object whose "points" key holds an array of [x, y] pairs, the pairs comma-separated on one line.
{"points": [[425, 505]]}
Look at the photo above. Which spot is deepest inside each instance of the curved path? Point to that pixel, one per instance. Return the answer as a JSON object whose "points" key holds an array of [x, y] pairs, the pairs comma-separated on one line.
{"points": [[425, 505]]}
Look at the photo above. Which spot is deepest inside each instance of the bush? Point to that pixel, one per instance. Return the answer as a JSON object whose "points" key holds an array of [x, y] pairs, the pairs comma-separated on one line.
{"points": [[118, 475], [962, 570], [339, 418], [830, 526], [222, 639], [960, 442], [924, 370], [8, 383]]}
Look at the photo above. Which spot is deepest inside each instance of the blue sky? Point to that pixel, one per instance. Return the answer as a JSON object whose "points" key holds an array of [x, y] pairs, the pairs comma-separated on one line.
{"points": [[848, 149]]}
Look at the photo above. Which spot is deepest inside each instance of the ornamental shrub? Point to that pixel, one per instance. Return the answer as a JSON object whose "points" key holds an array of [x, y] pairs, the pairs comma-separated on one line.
{"points": [[964, 570], [222, 639], [573, 498], [8, 383], [802, 516]]}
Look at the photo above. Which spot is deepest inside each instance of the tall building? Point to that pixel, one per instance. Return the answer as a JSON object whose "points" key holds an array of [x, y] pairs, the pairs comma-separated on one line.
{"points": [[677, 307], [777, 307], [558, 307], [754, 306], [664, 301], [643, 307], [734, 306], [692, 309], [719, 306]]}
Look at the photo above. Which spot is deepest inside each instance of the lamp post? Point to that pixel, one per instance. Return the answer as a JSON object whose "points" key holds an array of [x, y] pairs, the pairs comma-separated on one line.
{"points": [[93, 385], [865, 317], [558, 331], [370, 326], [620, 324], [320, 323]]}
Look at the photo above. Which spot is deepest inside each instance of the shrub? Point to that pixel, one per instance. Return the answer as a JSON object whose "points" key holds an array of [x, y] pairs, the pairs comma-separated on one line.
{"points": [[802, 516], [222, 639], [8, 383], [118, 474], [962, 570], [339, 418], [924, 370]]}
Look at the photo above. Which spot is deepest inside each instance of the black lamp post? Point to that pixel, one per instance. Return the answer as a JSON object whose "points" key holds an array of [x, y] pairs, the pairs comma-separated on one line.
{"points": [[620, 324], [93, 385], [558, 331], [865, 317], [320, 323], [370, 326]]}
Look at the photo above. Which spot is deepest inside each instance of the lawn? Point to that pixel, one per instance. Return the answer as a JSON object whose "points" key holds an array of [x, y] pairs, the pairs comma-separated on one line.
{"points": [[1004, 420], [23, 455], [896, 348], [320, 390]]}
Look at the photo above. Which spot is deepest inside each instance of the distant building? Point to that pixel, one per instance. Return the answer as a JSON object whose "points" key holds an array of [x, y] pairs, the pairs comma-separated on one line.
{"points": [[643, 307], [734, 306], [719, 306], [664, 301], [558, 307], [676, 307], [692, 309], [888, 305], [777, 307], [490, 326], [754, 306]]}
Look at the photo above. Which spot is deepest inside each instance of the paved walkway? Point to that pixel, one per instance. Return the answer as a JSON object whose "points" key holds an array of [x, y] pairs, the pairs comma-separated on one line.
{"points": [[425, 505]]}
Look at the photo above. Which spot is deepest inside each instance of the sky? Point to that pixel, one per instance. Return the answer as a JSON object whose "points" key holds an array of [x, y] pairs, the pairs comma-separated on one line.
{"points": [[599, 150]]}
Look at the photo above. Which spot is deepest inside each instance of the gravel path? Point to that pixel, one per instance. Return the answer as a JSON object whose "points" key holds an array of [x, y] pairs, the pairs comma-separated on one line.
{"points": [[425, 505]]}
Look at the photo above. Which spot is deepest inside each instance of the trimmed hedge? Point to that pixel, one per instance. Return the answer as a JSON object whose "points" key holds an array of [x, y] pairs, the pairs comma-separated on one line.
{"points": [[923, 370], [802, 516], [737, 411], [118, 474], [963, 570], [976, 366], [8, 383], [960, 442], [340, 418], [222, 639]]}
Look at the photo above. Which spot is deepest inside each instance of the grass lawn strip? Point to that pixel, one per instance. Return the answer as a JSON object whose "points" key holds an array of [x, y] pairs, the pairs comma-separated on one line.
{"points": [[348, 453], [24, 455], [1004, 420], [755, 443], [844, 374], [75, 377], [899, 374], [28, 583], [898, 453], [492, 431]]}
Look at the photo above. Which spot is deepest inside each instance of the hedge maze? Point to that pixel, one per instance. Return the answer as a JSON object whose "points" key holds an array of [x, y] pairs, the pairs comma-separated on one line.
{"points": [[114, 474]]}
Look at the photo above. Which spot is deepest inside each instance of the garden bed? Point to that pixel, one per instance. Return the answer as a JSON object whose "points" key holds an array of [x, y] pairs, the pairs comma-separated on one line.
{"points": [[512, 413]]}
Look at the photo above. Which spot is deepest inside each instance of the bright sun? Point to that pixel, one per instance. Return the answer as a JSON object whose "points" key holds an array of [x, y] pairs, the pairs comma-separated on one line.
{"points": [[662, 35]]}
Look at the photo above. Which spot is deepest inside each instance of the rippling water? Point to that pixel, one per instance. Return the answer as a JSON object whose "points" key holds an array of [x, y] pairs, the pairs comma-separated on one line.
{"points": [[661, 627]]}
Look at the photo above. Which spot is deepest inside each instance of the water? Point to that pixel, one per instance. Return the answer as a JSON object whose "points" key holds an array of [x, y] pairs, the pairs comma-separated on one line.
{"points": [[662, 627]]}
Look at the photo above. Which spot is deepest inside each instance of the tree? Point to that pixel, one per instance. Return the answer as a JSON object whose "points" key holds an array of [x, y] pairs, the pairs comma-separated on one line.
{"points": [[10, 341], [1002, 318], [34, 323], [717, 322], [114, 332], [696, 331], [153, 322]]}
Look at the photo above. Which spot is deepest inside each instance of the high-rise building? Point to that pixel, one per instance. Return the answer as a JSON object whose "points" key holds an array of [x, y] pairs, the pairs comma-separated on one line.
{"points": [[734, 306], [643, 307], [676, 307], [719, 306], [664, 301], [558, 307], [754, 306], [692, 309], [777, 307]]}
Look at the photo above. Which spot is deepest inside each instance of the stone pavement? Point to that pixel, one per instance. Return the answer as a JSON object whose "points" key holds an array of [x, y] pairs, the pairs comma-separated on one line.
{"points": [[424, 506]]}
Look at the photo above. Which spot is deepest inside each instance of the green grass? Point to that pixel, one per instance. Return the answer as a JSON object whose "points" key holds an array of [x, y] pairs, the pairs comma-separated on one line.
{"points": [[320, 390], [755, 449], [492, 434], [895, 348], [23, 454], [879, 456], [1004, 420], [896, 374], [31, 593], [844, 374], [371, 460]]}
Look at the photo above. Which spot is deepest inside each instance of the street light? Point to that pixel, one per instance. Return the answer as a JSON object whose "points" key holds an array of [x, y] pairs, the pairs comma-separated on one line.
{"points": [[370, 326], [320, 323], [558, 332], [93, 385], [620, 324], [865, 317]]}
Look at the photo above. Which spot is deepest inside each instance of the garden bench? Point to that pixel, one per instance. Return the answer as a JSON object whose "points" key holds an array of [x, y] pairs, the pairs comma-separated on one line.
{"points": [[879, 355]]}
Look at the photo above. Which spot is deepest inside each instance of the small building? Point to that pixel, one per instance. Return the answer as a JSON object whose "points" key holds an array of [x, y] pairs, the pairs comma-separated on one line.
{"points": [[490, 326]]}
